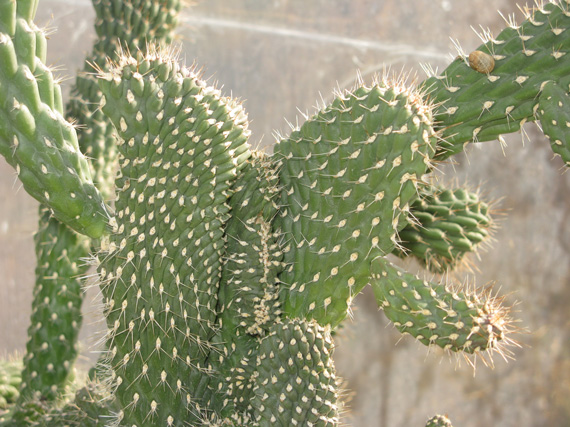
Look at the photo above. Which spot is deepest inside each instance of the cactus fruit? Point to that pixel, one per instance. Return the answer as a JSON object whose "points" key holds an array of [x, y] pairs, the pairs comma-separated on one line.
{"points": [[34, 137], [456, 320], [481, 107], [348, 177], [447, 224], [181, 146]]}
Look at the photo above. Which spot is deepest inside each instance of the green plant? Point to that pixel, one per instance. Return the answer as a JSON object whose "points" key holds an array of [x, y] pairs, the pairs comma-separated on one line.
{"points": [[224, 271]]}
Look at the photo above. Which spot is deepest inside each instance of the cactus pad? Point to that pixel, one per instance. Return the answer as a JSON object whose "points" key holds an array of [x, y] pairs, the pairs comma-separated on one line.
{"points": [[181, 147], [468, 322], [348, 177]]}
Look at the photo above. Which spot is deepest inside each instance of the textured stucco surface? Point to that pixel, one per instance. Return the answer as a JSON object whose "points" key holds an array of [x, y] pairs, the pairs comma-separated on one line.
{"points": [[281, 55]]}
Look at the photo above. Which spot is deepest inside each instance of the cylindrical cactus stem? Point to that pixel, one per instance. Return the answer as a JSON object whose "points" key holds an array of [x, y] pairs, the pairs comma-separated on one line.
{"points": [[132, 24], [295, 382], [181, 146], [249, 296], [554, 114], [439, 421], [448, 224], [477, 106], [34, 137], [348, 176], [469, 322], [56, 318]]}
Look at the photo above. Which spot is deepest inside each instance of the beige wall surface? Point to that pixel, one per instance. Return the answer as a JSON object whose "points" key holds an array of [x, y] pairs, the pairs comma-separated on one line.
{"points": [[281, 55]]}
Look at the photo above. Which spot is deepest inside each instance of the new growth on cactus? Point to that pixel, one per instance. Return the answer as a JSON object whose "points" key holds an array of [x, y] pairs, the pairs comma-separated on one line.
{"points": [[225, 271]]}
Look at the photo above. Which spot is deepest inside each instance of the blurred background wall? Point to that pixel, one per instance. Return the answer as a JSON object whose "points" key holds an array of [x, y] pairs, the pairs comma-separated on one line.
{"points": [[280, 55]]}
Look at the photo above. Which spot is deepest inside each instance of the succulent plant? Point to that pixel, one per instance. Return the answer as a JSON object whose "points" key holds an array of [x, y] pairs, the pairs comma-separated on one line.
{"points": [[225, 271]]}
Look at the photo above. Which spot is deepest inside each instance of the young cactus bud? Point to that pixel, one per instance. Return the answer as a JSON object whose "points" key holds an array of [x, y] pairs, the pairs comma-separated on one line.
{"points": [[348, 176], [472, 323], [448, 224]]}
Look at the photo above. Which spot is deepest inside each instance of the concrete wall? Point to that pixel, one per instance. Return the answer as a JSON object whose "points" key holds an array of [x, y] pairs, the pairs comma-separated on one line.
{"points": [[281, 55]]}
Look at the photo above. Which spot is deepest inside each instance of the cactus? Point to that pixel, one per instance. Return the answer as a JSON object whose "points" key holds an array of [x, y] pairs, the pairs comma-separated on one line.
{"points": [[225, 271]]}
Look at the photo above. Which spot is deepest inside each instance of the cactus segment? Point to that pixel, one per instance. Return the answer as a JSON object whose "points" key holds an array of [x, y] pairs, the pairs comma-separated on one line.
{"points": [[481, 107], [348, 177], [448, 224], [132, 24], [248, 297], [180, 149], [56, 317], [468, 322], [295, 382], [439, 421], [34, 137], [554, 114]]}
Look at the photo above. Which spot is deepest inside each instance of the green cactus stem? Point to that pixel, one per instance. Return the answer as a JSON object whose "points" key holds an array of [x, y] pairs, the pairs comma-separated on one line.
{"points": [[448, 223], [34, 137], [554, 114], [295, 382], [348, 176], [249, 296], [477, 106], [473, 323], [181, 146], [56, 317]]}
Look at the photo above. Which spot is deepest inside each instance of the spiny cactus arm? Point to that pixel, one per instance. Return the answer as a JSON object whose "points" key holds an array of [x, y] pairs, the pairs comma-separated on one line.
{"points": [[56, 317], [554, 114], [439, 421], [468, 322], [295, 382], [447, 224], [479, 106], [181, 146], [132, 24], [248, 297], [34, 137], [348, 176]]}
